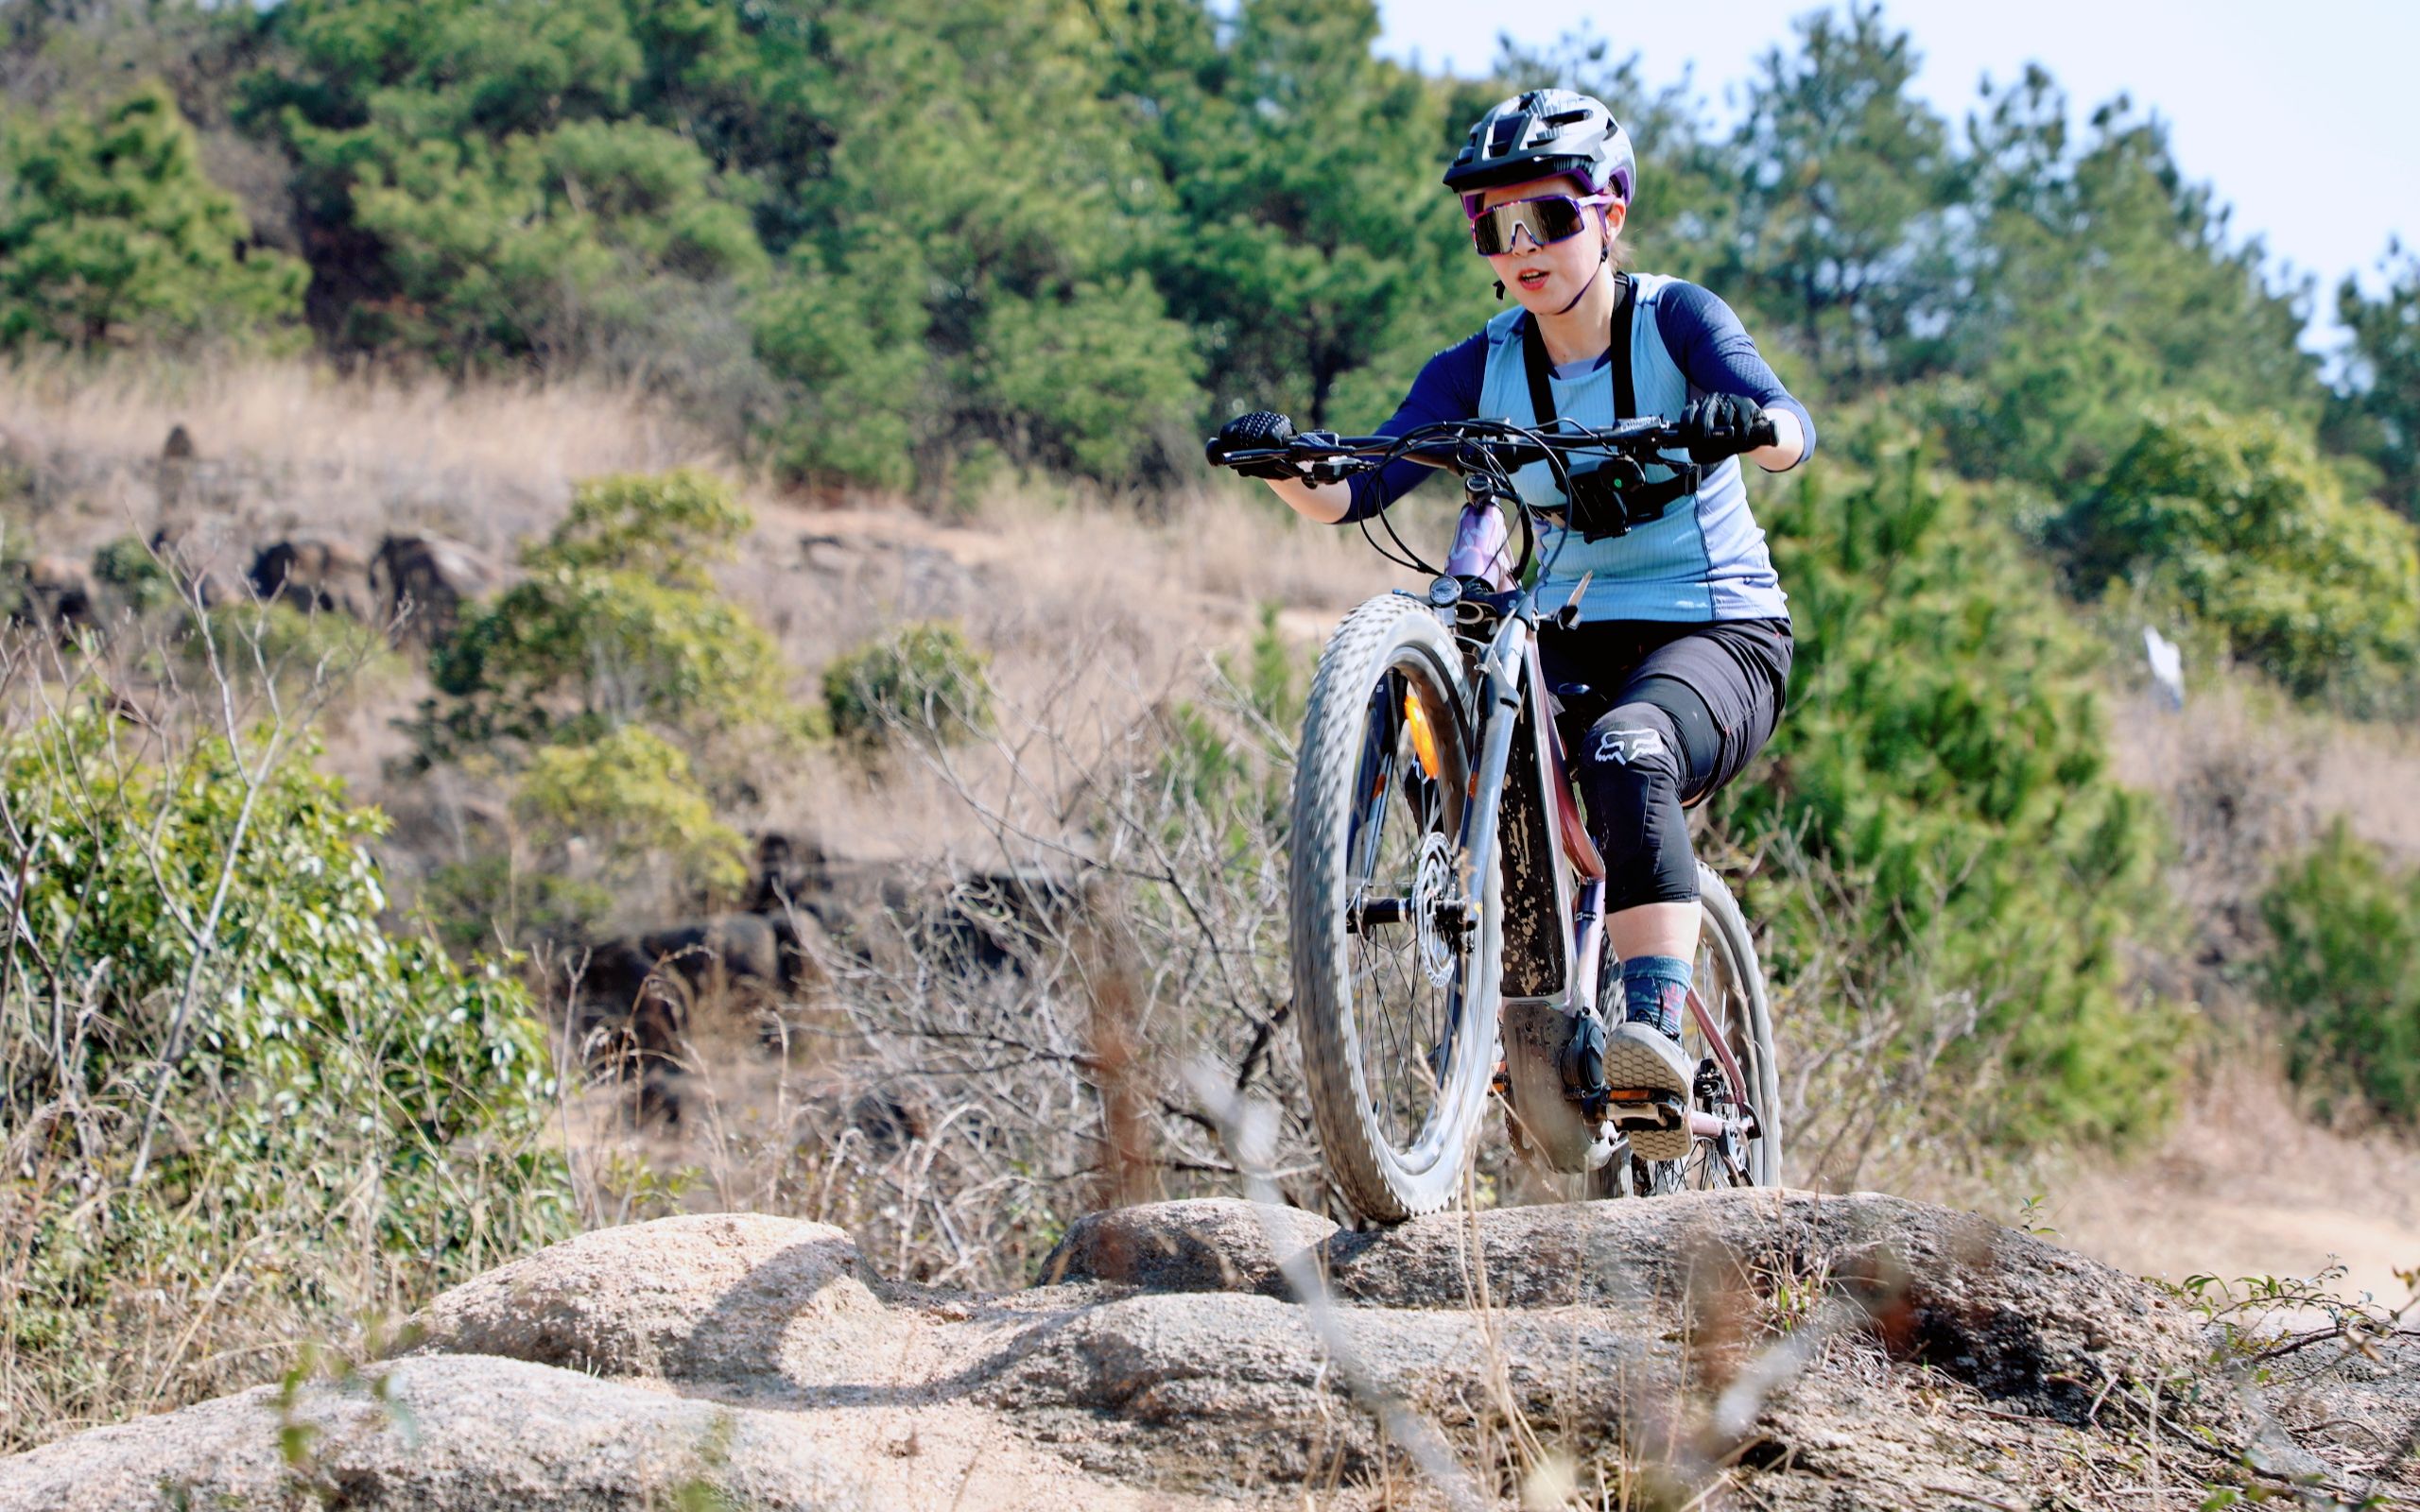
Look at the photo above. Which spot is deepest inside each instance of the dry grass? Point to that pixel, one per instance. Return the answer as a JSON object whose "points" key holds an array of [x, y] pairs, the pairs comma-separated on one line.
{"points": [[293, 447], [2246, 1185], [2249, 776], [1091, 615], [288, 449]]}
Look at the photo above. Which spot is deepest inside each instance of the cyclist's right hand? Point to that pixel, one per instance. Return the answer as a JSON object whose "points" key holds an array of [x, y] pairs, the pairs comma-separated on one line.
{"points": [[1261, 430]]}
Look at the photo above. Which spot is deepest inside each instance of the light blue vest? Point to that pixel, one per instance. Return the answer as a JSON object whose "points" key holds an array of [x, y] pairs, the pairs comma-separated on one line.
{"points": [[1703, 560]]}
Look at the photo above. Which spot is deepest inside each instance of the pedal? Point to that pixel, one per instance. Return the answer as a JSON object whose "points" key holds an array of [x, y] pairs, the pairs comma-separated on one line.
{"points": [[1645, 1109]]}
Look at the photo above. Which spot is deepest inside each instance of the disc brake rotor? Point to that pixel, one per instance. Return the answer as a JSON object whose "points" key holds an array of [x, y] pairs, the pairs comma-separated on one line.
{"points": [[1435, 938]]}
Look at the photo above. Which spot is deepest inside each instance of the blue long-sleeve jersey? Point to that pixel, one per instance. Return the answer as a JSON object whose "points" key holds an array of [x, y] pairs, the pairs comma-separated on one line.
{"points": [[1705, 559]]}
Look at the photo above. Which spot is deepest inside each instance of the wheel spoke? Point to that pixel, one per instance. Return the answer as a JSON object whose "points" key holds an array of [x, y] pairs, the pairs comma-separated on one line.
{"points": [[1400, 871]]}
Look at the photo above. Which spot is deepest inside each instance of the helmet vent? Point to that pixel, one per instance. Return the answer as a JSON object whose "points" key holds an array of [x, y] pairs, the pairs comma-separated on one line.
{"points": [[1567, 117], [1506, 136]]}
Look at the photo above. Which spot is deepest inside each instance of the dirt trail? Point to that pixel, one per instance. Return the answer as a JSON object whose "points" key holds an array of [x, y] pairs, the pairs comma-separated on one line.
{"points": [[2244, 1186]]}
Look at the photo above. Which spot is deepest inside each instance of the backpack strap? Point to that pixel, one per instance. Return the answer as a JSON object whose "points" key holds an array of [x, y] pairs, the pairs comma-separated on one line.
{"points": [[1625, 396], [1533, 358], [1533, 365]]}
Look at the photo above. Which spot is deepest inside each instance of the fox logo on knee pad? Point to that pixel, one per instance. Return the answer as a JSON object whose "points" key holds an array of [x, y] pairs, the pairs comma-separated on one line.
{"points": [[1628, 746]]}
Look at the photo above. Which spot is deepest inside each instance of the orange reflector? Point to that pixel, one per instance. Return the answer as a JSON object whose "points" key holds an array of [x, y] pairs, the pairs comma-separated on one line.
{"points": [[1424, 739]]}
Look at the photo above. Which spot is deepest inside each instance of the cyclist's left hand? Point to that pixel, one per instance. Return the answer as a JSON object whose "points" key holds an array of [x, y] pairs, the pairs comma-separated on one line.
{"points": [[1722, 425], [1260, 430]]}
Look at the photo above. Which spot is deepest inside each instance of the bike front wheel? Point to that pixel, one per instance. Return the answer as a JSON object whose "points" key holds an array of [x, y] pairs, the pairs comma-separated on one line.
{"points": [[1396, 944]]}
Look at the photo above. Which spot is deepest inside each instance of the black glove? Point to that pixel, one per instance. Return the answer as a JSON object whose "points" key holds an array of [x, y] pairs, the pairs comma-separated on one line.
{"points": [[1258, 431], [1722, 425]]}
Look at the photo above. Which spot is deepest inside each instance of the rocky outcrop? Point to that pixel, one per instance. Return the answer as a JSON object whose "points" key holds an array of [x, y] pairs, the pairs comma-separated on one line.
{"points": [[736, 1300], [1802, 1351], [2016, 1317], [421, 583], [55, 593], [452, 1433], [313, 575], [1207, 1245]]}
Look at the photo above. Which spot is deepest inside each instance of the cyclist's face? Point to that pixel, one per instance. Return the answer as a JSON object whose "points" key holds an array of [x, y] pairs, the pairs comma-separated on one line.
{"points": [[1547, 278]]}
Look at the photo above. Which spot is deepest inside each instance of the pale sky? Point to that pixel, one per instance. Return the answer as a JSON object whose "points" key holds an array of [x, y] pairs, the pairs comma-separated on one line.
{"points": [[2304, 114]]}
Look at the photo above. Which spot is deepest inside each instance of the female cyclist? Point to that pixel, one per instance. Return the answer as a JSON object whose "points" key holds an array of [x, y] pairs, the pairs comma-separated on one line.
{"points": [[1682, 653]]}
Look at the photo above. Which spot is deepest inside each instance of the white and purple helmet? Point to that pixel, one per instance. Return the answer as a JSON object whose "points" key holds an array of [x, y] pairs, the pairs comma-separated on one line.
{"points": [[1540, 135]]}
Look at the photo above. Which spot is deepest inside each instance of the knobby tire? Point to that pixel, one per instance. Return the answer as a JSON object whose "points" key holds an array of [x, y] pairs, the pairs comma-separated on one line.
{"points": [[1381, 1175]]}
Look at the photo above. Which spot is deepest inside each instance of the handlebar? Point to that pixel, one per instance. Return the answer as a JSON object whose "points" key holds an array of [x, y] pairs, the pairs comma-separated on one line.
{"points": [[1487, 453], [1489, 446]]}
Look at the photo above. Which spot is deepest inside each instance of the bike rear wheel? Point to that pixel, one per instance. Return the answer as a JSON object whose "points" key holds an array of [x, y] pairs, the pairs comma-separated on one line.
{"points": [[1731, 983], [1395, 974]]}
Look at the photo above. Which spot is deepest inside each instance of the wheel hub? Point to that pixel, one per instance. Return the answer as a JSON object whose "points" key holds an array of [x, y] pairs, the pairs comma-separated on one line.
{"points": [[1436, 911]]}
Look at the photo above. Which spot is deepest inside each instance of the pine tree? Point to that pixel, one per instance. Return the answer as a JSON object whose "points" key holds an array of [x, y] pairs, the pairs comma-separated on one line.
{"points": [[2378, 416], [110, 235]]}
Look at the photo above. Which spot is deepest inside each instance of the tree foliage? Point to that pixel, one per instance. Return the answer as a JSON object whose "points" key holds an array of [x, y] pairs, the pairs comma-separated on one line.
{"points": [[1944, 763], [1845, 184], [2238, 520], [880, 242], [2101, 282], [112, 235], [2378, 416], [2342, 972]]}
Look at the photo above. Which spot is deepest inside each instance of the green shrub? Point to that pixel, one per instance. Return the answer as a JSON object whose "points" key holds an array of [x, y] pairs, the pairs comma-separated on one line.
{"points": [[1229, 756], [670, 524], [613, 690], [244, 1076], [488, 901], [569, 654], [920, 679], [294, 645], [2238, 520], [139, 579], [617, 622], [298, 1003], [1942, 766], [631, 795], [2343, 973]]}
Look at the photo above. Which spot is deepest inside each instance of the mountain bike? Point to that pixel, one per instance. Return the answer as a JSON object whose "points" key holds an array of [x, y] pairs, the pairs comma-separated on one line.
{"points": [[1446, 901]]}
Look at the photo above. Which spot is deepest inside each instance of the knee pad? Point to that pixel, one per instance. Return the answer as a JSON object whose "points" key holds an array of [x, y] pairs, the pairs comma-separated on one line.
{"points": [[1629, 752], [1629, 772]]}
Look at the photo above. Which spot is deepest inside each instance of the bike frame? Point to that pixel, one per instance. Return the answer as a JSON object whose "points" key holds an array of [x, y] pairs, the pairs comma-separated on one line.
{"points": [[1510, 693]]}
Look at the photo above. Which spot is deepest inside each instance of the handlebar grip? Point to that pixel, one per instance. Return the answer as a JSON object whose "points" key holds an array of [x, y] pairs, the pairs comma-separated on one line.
{"points": [[1261, 427]]}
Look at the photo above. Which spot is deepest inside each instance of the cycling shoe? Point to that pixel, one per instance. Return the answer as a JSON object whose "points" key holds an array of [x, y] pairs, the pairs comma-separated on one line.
{"points": [[1640, 1057]]}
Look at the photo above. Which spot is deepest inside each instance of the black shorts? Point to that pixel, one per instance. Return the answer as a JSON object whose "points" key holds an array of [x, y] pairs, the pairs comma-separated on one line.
{"points": [[1724, 684]]}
